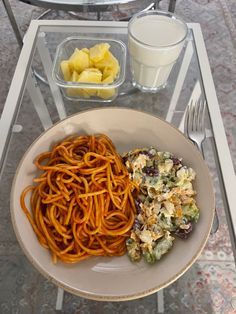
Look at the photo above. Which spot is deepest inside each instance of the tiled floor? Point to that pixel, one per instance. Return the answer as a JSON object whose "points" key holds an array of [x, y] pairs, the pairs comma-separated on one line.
{"points": [[210, 285]]}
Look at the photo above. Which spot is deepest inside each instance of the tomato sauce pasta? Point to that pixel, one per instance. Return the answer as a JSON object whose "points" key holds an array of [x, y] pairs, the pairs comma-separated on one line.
{"points": [[81, 204]]}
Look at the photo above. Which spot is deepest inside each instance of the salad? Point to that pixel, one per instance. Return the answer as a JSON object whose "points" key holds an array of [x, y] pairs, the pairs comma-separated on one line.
{"points": [[166, 205]]}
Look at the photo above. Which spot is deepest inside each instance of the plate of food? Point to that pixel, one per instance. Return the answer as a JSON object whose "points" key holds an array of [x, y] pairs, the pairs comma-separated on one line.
{"points": [[112, 204]]}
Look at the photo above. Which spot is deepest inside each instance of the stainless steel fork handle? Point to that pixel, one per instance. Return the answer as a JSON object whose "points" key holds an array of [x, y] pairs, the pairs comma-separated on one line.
{"points": [[215, 224], [199, 146]]}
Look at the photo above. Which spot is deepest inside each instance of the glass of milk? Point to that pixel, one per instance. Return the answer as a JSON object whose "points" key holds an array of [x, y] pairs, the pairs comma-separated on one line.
{"points": [[155, 40]]}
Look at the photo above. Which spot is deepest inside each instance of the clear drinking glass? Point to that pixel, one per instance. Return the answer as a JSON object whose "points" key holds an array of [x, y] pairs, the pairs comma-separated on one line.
{"points": [[155, 40]]}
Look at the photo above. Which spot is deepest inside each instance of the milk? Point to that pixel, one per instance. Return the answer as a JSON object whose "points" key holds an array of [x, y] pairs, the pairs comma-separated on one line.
{"points": [[155, 43]]}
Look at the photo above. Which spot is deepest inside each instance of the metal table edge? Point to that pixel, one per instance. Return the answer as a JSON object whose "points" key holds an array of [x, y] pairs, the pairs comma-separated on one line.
{"points": [[17, 87], [223, 156]]}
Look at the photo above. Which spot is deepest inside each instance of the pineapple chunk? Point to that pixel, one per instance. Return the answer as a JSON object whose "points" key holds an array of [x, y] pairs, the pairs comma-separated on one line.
{"points": [[74, 77], [79, 60], [107, 72], [109, 79], [108, 62], [98, 52], [65, 69], [107, 93], [86, 50], [83, 93], [90, 76], [74, 91]]}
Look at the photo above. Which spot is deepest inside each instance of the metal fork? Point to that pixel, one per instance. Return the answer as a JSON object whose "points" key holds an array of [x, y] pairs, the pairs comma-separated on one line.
{"points": [[194, 128], [195, 123]]}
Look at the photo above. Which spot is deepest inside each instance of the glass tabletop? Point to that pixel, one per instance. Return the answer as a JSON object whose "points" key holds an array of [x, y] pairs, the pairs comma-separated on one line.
{"points": [[34, 106]]}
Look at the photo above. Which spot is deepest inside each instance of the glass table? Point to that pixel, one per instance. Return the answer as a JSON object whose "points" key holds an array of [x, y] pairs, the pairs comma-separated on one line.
{"points": [[32, 107]]}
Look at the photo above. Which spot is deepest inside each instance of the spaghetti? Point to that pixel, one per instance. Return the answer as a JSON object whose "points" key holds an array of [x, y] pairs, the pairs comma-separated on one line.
{"points": [[81, 204]]}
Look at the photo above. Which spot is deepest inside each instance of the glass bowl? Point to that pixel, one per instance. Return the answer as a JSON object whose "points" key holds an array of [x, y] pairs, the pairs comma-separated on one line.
{"points": [[100, 92]]}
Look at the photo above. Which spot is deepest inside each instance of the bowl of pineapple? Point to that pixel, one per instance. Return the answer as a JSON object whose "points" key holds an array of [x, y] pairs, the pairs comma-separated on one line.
{"points": [[90, 68]]}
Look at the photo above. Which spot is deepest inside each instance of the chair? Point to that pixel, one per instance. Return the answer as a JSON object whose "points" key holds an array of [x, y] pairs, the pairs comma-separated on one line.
{"points": [[73, 9]]}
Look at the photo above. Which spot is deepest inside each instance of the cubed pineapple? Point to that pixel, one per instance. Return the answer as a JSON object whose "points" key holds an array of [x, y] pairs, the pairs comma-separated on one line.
{"points": [[90, 75], [98, 52], [108, 80], [107, 72], [83, 93], [79, 60], [107, 93], [66, 71], [74, 77], [74, 91], [86, 50], [108, 62]]}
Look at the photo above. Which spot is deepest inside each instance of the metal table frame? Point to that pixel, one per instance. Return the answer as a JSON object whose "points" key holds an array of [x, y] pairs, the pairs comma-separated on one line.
{"points": [[23, 77]]}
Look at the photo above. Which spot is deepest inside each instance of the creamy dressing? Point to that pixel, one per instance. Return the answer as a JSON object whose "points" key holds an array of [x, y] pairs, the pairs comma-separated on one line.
{"points": [[165, 207]]}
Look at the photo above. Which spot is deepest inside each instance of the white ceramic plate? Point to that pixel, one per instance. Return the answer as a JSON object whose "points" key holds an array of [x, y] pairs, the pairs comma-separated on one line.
{"points": [[108, 278]]}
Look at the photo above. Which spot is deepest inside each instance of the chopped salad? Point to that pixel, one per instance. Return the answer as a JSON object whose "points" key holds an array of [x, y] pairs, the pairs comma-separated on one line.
{"points": [[165, 203]]}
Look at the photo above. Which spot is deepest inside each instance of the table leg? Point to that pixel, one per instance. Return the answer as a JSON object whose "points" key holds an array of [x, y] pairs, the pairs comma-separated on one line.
{"points": [[60, 296], [47, 65], [13, 22], [160, 301], [38, 101], [180, 80], [172, 5], [156, 4]]}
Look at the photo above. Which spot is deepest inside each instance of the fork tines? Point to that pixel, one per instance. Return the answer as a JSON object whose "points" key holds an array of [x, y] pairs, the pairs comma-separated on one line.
{"points": [[195, 117]]}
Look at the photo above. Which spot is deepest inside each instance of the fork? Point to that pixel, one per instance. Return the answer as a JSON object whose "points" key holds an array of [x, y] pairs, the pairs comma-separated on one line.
{"points": [[194, 128], [195, 123]]}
